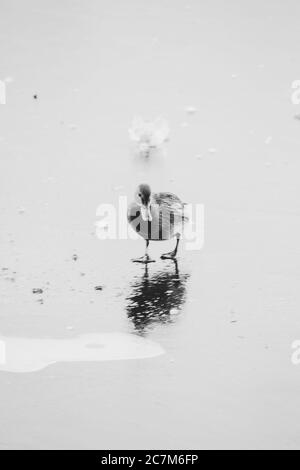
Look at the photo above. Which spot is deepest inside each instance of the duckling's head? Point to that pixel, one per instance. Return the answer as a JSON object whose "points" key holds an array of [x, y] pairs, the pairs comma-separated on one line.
{"points": [[143, 198]]}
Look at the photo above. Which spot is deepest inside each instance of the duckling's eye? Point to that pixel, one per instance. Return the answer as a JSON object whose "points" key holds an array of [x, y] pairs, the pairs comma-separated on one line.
{"points": [[140, 195]]}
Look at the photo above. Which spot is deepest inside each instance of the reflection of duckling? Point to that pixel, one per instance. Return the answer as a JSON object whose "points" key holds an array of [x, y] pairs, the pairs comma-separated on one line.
{"points": [[157, 216], [157, 298]]}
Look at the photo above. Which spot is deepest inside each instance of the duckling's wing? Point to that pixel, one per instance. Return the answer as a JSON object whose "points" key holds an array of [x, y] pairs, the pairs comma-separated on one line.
{"points": [[167, 199], [169, 203]]}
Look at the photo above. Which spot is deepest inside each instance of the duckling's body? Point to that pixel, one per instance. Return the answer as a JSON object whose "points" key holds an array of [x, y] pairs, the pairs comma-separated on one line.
{"points": [[157, 217]]}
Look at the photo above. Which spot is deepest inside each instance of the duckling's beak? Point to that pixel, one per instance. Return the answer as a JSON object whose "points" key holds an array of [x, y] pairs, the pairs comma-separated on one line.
{"points": [[146, 213]]}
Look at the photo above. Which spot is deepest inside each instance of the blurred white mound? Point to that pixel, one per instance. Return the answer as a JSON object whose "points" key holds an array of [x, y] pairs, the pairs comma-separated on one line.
{"points": [[149, 135], [21, 355]]}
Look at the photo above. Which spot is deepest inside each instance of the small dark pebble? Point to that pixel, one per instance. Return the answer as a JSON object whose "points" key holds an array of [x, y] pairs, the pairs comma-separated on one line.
{"points": [[99, 288], [35, 97], [75, 258], [37, 291]]}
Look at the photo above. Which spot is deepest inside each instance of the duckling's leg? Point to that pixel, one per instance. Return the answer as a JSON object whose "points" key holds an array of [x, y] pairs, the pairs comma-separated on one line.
{"points": [[173, 254], [146, 258]]}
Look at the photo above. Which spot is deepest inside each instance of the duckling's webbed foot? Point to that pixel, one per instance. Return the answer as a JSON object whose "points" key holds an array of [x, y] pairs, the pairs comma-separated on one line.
{"points": [[171, 255], [144, 260]]}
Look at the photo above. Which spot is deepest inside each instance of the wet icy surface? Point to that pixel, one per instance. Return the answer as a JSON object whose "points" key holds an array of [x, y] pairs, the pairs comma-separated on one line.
{"points": [[225, 317]]}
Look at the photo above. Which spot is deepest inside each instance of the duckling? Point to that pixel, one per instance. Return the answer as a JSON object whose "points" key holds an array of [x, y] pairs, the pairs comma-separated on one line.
{"points": [[156, 217]]}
